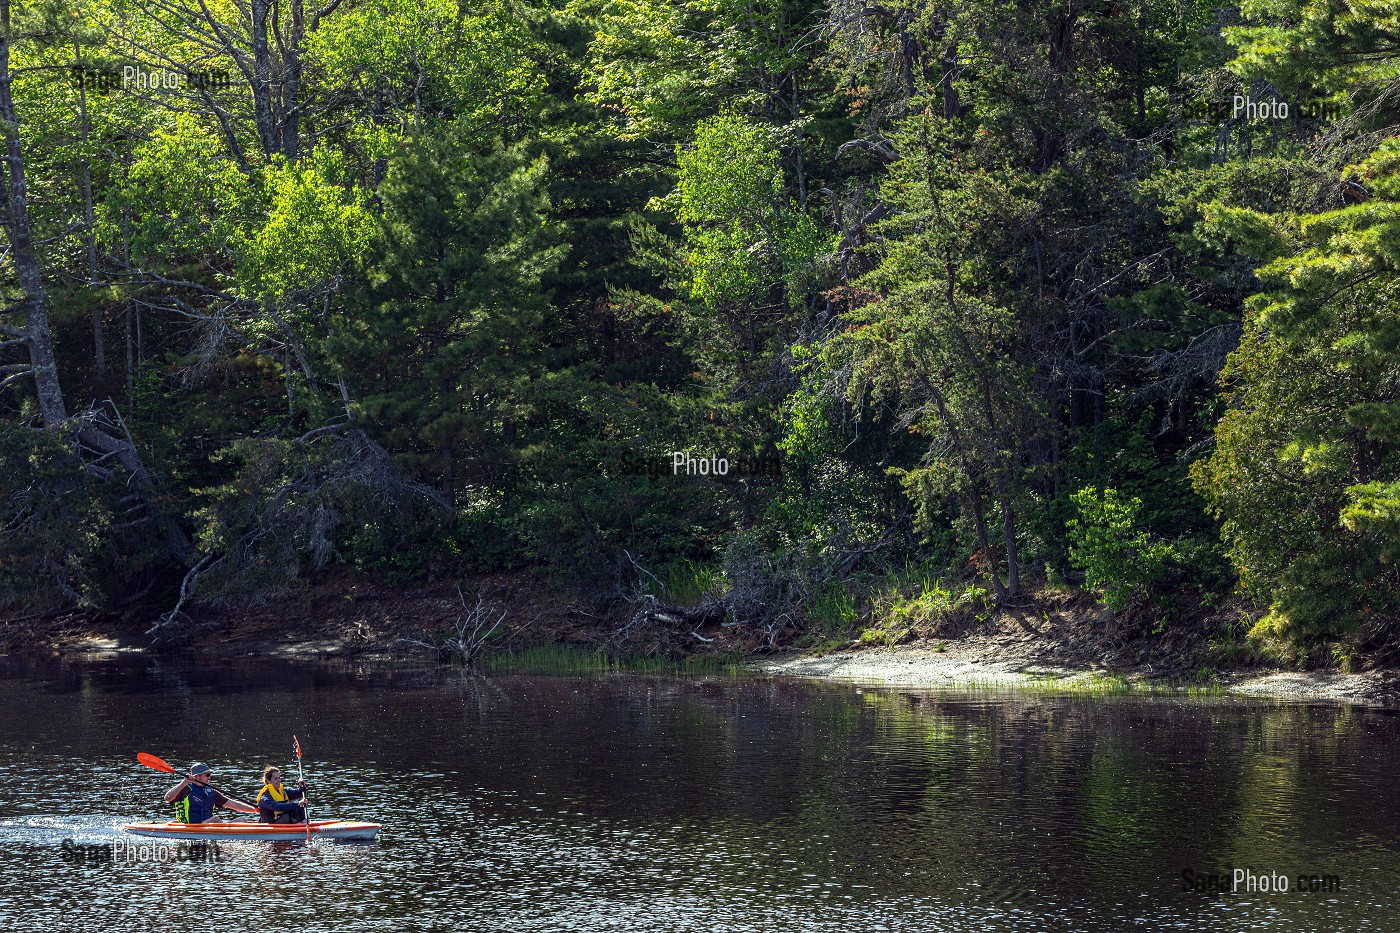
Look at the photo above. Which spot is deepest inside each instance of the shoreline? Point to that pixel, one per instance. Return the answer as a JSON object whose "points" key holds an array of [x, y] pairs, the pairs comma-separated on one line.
{"points": [[967, 663], [973, 662], [367, 621]]}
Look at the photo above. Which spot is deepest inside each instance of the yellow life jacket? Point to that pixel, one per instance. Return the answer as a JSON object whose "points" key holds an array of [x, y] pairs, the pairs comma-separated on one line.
{"points": [[278, 796]]}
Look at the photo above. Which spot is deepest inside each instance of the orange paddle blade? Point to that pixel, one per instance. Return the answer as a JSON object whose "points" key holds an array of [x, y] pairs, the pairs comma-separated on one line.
{"points": [[151, 761], [296, 747]]}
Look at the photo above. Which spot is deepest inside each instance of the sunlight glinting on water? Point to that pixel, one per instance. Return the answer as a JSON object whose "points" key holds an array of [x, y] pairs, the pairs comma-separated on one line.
{"points": [[619, 802]]}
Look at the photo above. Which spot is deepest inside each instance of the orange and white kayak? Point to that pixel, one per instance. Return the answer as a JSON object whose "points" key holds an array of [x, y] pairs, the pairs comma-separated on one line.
{"points": [[249, 829]]}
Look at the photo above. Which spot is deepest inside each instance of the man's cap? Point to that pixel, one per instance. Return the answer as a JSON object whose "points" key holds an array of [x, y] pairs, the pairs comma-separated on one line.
{"points": [[199, 767]]}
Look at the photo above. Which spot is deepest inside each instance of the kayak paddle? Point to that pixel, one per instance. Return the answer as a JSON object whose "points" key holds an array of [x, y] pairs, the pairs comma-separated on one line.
{"points": [[158, 764], [305, 806]]}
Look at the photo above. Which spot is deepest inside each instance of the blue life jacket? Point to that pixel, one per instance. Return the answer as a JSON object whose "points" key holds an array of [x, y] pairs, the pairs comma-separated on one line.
{"points": [[197, 805]]}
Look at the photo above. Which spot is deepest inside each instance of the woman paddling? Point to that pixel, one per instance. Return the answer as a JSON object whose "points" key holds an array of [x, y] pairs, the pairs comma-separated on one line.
{"points": [[277, 804]]}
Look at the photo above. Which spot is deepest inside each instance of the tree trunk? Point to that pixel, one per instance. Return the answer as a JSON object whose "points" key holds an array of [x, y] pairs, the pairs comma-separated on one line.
{"points": [[979, 511], [53, 412], [262, 79], [1008, 533], [38, 339], [130, 358], [276, 106], [949, 72], [99, 343]]}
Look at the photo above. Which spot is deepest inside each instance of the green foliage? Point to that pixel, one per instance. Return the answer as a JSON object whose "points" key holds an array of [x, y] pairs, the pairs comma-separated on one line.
{"points": [[426, 62], [686, 582], [970, 271], [749, 251], [899, 615], [182, 198], [1120, 559], [940, 347], [833, 608], [742, 233], [582, 494], [292, 507], [448, 317], [663, 65], [315, 233], [1304, 471], [56, 525], [1344, 49]]}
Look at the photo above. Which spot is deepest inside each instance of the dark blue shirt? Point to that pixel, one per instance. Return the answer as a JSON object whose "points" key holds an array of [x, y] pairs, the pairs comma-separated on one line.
{"points": [[294, 795], [196, 804]]}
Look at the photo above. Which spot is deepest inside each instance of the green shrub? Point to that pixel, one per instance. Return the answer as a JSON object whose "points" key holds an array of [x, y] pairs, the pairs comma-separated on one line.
{"points": [[55, 522], [1120, 559]]}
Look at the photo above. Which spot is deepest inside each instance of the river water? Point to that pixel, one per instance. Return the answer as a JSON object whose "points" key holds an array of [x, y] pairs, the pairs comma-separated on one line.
{"points": [[627, 802]]}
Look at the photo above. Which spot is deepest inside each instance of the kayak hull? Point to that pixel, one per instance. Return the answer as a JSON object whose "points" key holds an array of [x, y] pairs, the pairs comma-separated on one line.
{"points": [[262, 832]]}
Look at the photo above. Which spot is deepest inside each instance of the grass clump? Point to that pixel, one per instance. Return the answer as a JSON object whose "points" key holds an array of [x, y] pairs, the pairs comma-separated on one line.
{"points": [[833, 609], [899, 616], [686, 582]]}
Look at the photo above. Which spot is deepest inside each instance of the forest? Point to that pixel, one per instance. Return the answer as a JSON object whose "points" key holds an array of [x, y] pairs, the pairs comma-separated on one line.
{"points": [[981, 300]]}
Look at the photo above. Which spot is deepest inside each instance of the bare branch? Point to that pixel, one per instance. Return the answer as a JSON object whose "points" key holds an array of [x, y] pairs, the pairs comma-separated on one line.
{"points": [[4, 383], [322, 13], [880, 150], [155, 278], [187, 587], [472, 629], [320, 432], [873, 10]]}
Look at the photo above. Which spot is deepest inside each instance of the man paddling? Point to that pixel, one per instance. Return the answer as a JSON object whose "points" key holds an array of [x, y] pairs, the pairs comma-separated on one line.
{"points": [[195, 801]]}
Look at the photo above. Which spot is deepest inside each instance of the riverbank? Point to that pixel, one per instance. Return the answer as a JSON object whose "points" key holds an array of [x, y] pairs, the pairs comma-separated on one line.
{"points": [[982, 661], [1071, 647], [340, 616]]}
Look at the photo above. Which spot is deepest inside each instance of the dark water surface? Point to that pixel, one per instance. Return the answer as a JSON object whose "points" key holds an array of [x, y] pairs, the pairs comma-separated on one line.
{"points": [[625, 802]]}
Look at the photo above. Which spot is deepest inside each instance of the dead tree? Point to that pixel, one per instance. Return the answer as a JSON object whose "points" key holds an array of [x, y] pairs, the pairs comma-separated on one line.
{"points": [[473, 628]]}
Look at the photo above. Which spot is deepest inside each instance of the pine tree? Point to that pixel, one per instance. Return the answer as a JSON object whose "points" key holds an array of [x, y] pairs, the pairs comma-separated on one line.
{"points": [[441, 339], [1306, 472]]}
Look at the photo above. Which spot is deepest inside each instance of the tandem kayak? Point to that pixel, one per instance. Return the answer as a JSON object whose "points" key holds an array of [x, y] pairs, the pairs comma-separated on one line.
{"points": [[267, 832]]}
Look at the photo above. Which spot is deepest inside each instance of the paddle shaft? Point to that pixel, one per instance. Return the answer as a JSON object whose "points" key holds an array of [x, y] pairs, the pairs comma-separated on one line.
{"points": [[210, 786], [163, 766], [305, 802]]}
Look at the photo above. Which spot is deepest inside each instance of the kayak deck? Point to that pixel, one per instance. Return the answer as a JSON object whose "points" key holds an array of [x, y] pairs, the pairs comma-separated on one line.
{"points": [[267, 832]]}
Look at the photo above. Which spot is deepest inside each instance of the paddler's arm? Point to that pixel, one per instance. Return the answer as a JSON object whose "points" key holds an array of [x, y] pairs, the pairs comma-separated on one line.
{"points": [[176, 792], [237, 805]]}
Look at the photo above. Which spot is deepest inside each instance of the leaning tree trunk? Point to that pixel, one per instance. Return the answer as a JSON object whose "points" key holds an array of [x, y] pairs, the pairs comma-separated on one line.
{"points": [[15, 195], [36, 335]]}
